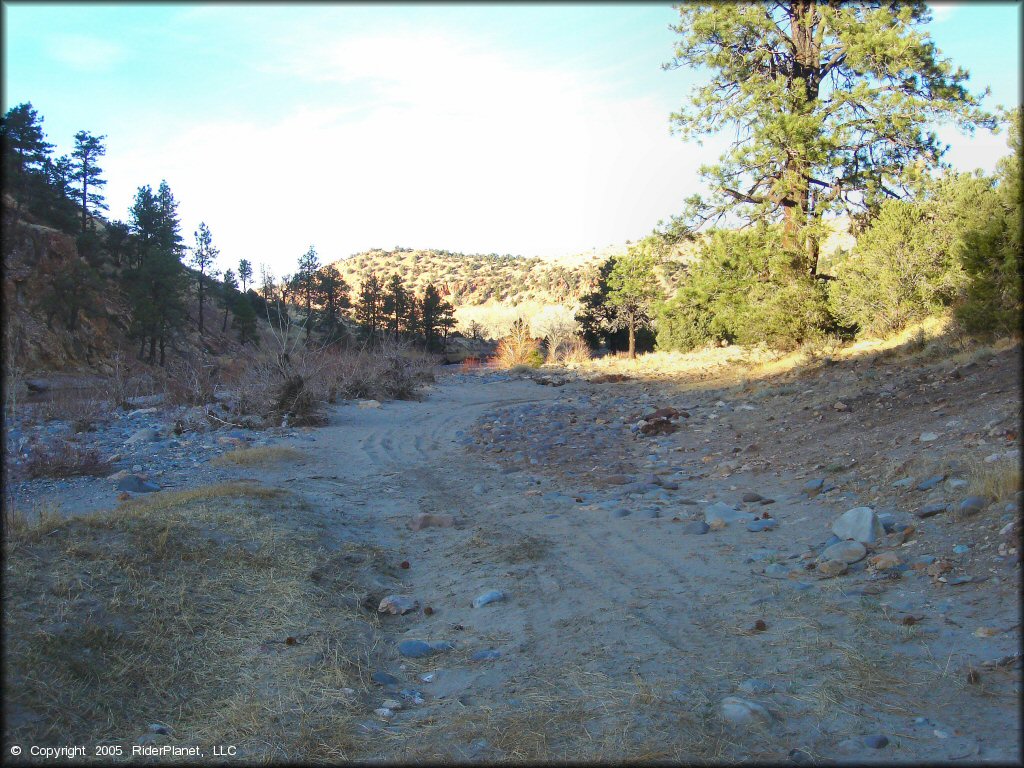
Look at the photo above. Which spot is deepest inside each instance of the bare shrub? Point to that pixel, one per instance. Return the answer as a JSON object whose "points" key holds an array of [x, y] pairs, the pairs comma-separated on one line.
{"points": [[394, 371], [64, 459], [127, 379], [519, 347], [575, 352], [191, 380]]}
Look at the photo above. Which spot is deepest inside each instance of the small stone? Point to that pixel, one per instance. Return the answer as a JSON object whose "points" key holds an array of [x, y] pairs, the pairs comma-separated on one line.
{"points": [[415, 649], [136, 484], [159, 728], [391, 704], [860, 524], [931, 482], [384, 713], [750, 497], [383, 678], [813, 487], [845, 551], [756, 526], [840, 406], [486, 598], [931, 510], [875, 741], [830, 568], [368, 403], [776, 570], [743, 712], [961, 549], [884, 561], [695, 527], [724, 513], [972, 505], [928, 437], [147, 435], [397, 605]]}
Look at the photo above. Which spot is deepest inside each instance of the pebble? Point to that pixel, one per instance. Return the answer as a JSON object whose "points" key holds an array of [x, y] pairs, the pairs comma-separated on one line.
{"points": [[928, 437], [931, 482], [749, 497], [398, 605], [743, 712], [136, 484], [829, 568], [756, 526], [416, 649], [485, 655], [383, 678], [486, 598], [724, 513], [930, 510], [875, 741], [695, 527]]}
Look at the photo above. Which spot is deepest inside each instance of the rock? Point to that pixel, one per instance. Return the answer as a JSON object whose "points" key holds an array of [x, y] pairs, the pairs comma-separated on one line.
{"points": [[860, 524], [159, 728], [749, 497], [756, 526], [972, 505], [928, 437], [391, 704], [494, 596], [136, 484], [37, 385], [840, 406], [961, 549], [905, 482], [620, 513], [830, 568], [931, 510], [398, 605], [384, 713], [617, 479], [695, 527], [423, 520], [929, 483], [875, 741], [813, 487], [743, 712], [368, 403], [416, 649], [884, 561], [383, 678], [776, 570], [845, 551], [147, 435], [756, 687], [725, 514], [485, 655]]}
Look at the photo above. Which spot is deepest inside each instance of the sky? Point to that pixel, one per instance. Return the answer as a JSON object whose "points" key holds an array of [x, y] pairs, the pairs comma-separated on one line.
{"points": [[483, 128]]}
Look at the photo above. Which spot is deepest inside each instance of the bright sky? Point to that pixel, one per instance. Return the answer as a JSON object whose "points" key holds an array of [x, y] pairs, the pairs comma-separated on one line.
{"points": [[525, 129]]}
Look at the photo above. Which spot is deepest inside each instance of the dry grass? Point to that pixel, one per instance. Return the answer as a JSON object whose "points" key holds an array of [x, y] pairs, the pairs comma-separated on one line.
{"points": [[518, 348], [997, 480], [263, 456], [195, 610]]}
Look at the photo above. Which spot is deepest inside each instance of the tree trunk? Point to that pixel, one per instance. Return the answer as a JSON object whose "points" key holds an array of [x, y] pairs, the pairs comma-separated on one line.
{"points": [[227, 305], [632, 339], [201, 304], [152, 350], [162, 356]]}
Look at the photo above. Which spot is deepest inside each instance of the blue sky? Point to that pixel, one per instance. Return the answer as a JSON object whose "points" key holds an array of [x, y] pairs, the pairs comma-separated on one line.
{"points": [[528, 129]]}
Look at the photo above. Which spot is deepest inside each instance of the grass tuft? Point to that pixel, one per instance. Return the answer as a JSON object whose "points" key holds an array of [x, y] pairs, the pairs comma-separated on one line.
{"points": [[263, 456]]}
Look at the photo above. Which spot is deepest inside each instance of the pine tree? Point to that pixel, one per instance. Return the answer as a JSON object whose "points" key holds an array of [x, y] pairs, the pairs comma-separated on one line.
{"points": [[394, 306], [305, 283], [203, 255], [245, 273], [25, 149], [370, 305], [633, 287], [436, 316], [229, 287], [245, 319], [85, 171], [333, 294]]}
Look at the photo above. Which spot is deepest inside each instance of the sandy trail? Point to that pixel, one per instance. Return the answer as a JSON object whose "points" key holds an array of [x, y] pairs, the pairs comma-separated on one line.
{"points": [[599, 608]]}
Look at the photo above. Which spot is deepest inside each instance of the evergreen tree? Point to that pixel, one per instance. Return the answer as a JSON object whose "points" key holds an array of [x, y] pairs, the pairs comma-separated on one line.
{"points": [[86, 173], [229, 288], [633, 287], [245, 319], [25, 149], [245, 274], [333, 294], [203, 255], [830, 104], [370, 305], [395, 304], [436, 317], [117, 240], [305, 283]]}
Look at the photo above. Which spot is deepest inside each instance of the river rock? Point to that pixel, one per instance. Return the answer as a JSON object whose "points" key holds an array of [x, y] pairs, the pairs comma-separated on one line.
{"points": [[146, 435], [136, 484], [756, 526], [743, 712], [972, 505], [695, 528], [845, 551], [829, 568], [726, 514], [860, 524], [494, 596]]}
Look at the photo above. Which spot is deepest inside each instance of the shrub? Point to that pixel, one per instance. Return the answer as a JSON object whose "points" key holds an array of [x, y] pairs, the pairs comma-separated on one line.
{"points": [[742, 289], [575, 352], [519, 348], [64, 459]]}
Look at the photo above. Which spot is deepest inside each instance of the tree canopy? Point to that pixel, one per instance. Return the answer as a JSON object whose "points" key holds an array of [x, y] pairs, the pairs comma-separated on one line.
{"points": [[831, 105]]}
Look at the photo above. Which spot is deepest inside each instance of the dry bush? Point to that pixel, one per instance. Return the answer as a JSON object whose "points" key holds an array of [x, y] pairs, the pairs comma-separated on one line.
{"points": [[393, 371], [64, 459], [519, 348], [191, 380], [575, 352], [128, 379], [995, 480], [80, 409]]}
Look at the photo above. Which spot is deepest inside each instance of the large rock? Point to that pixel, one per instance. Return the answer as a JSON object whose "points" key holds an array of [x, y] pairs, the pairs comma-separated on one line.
{"points": [[860, 524], [845, 551], [725, 514], [136, 484]]}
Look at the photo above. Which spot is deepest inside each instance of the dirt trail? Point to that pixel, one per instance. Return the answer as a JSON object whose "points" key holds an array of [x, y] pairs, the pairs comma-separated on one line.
{"points": [[622, 639]]}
